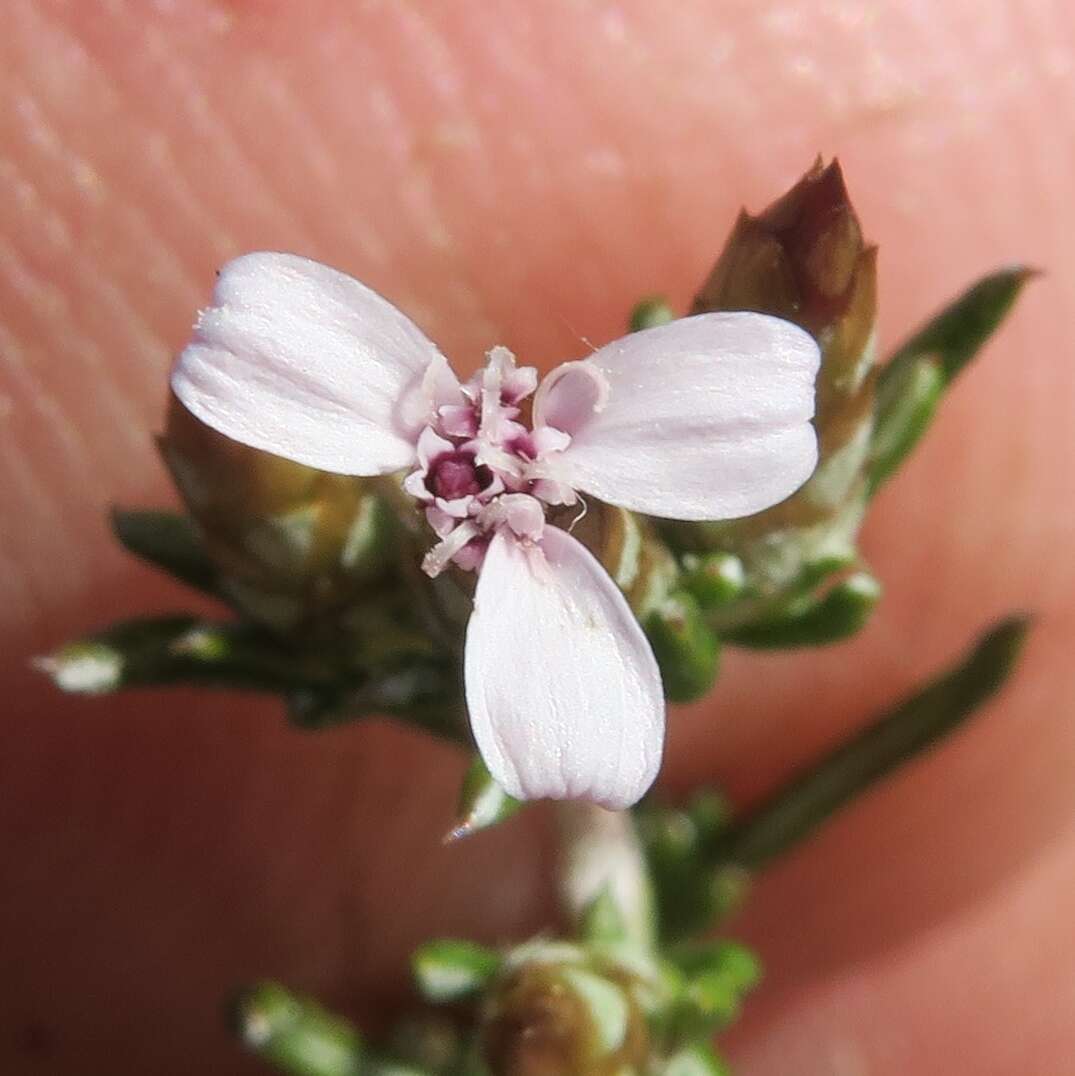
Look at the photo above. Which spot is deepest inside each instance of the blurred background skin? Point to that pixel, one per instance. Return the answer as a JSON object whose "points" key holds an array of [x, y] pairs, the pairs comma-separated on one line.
{"points": [[519, 174]]}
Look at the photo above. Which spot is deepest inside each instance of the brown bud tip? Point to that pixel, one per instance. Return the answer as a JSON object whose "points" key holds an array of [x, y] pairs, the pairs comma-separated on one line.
{"points": [[798, 259], [803, 259], [540, 1030]]}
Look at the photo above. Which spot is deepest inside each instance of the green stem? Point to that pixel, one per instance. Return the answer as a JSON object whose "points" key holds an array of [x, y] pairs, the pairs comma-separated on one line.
{"points": [[893, 739], [601, 858]]}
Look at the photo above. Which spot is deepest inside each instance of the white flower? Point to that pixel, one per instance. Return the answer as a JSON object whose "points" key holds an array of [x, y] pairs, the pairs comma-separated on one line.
{"points": [[707, 417]]}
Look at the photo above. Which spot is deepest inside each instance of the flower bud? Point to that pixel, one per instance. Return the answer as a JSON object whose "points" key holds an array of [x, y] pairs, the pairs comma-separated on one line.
{"points": [[693, 890], [291, 545], [558, 1011], [650, 313], [715, 579], [802, 259]]}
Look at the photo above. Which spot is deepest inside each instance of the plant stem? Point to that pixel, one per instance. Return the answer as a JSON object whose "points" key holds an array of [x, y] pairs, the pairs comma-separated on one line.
{"points": [[896, 737], [600, 853]]}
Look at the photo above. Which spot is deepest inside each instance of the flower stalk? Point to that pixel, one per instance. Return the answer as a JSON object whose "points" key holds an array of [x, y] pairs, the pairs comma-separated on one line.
{"points": [[603, 869]]}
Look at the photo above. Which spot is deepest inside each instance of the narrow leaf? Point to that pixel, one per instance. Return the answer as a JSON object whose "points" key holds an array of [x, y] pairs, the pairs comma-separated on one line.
{"points": [[956, 334], [895, 738], [421, 691], [154, 651], [679, 844], [686, 649], [320, 691], [814, 620], [905, 404], [168, 541], [912, 381], [482, 802], [296, 1035]]}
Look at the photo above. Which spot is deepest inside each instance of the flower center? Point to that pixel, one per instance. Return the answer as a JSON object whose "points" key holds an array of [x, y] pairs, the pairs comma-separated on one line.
{"points": [[455, 474], [480, 470]]}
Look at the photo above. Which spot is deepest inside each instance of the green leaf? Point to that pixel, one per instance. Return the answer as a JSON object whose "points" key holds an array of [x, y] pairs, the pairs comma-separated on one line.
{"points": [[730, 960], [679, 844], [912, 382], [296, 1035], [482, 802], [892, 740], [905, 404], [168, 541], [814, 620], [448, 970], [419, 690], [714, 579], [707, 988], [685, 647], [320, 688], [154, 651]]}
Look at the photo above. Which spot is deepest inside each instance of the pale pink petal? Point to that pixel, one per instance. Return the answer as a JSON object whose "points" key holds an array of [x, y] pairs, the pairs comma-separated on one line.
{"points": [[305, 362], [563, 690], [707, 417]]}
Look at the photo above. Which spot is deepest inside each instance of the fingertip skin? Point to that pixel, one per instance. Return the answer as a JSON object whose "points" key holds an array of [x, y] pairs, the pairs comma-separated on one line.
{"points": [[522, 175]]}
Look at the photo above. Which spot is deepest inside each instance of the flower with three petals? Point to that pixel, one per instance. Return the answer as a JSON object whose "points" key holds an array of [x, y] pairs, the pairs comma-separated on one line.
{"points": [[705, 418]]}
